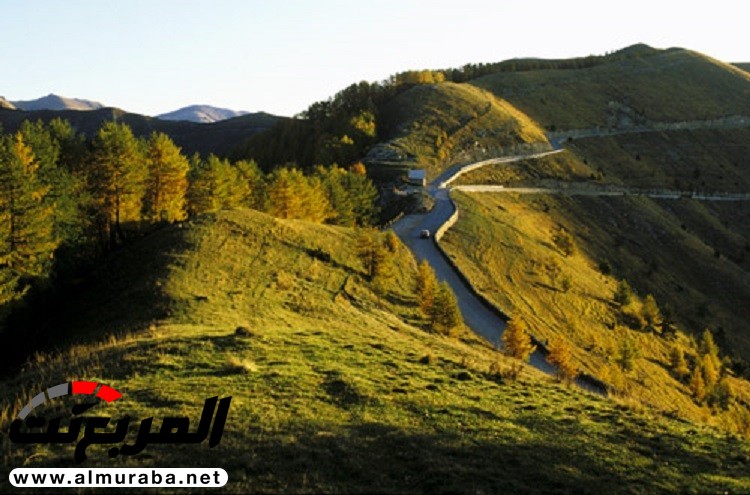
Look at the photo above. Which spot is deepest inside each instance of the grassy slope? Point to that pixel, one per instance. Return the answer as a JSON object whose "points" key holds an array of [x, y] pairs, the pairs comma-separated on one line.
{"points": [[503, 243], [705, 160], [688, 233], [329, 393], [572, 99], [564, 166], [436, 125]]}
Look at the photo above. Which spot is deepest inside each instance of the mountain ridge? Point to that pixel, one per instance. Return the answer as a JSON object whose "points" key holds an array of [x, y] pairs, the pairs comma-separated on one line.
{"points": [[204, 114], [219, 138], [57, 102]]}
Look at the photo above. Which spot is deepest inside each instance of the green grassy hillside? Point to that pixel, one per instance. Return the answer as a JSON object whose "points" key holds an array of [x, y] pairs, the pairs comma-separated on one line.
{"points": [[713, 160], [505, 244], [547, 170], [698, 160], [672, 86], [338, 389], [433, 126]]}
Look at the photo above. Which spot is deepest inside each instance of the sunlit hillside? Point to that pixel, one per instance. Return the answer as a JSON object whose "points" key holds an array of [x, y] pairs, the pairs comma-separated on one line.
{"points": [[506, 245], [336, 388], [436, 125], [672, 85]]}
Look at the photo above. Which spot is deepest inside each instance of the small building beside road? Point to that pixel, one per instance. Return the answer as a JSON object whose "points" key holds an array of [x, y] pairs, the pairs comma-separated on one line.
{"points": [[417, 177]]}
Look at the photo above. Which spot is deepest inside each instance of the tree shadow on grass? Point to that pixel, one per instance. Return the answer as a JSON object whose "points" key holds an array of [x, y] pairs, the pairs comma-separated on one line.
{"points": [[379, 458], [122, 293]]}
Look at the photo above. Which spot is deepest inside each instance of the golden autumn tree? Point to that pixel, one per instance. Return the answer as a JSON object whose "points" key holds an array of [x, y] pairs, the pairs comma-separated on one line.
{"points": [[560, 354], [426, 286], [27, 241], [445, 314], [116, 178], [292, 195], [166, 182], [517, 340]]}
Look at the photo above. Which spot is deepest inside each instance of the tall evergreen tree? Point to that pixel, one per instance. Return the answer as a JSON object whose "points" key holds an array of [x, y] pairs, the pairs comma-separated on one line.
{"points": [[350, 193], [166, 181], [292, 195], [116, 178], [697, 384], [27, 241], [445, 314], [677, 361], [251, 184], [66, 191], [627, 353], [426, 286], [285, 199]]}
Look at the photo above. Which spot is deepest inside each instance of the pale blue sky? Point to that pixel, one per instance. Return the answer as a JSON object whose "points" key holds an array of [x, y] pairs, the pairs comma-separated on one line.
{"points": [[153, 56]]}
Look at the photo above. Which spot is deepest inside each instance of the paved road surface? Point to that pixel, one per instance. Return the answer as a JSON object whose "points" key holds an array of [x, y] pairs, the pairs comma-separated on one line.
{"points": [[476, 314]]}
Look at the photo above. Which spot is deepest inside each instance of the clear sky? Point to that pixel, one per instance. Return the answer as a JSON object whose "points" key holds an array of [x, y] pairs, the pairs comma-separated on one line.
{"points": [[154, 56]]}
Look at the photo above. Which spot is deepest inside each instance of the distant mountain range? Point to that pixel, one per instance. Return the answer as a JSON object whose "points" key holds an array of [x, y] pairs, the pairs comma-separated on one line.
{"points": [[203, 114], [220, 138], [56, 102]]}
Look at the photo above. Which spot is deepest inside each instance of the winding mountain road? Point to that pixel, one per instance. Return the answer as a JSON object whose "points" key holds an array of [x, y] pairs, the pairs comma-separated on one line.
{"points": [[477, 314]]}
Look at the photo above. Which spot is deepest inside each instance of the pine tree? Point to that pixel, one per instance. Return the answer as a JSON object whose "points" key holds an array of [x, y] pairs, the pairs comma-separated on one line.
{"points": [[315, 204], [624, 293], [426, 287], [202, 183], [27, 241], [445, 314], [721, 394], [560, 354], [215, 184], [364, 197], [709, 370], [698, 385], [651, 311], [251, 184], [366, 244], [73, 148], [677, 362], [708, 347], [517, 340], [284, 198], [116, 178], [166, 182], [341, 200], [66, 192], [292, 195], [627, 353]]}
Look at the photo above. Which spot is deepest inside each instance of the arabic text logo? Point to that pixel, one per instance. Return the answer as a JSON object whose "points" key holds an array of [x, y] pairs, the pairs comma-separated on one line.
{"points": [[30, 429]]}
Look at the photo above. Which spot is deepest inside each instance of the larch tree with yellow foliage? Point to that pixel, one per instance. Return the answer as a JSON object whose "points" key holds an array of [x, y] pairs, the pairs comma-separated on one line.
{"points": [[166, 182], [27, 241], [517, 340], [116, 179], [560, 354]]}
